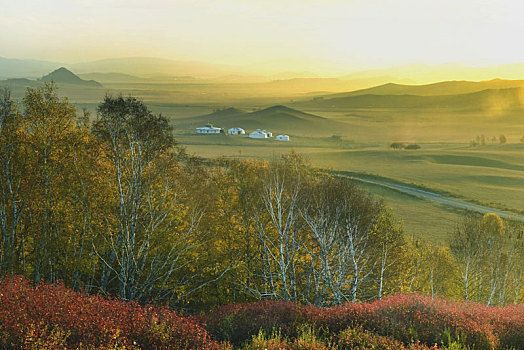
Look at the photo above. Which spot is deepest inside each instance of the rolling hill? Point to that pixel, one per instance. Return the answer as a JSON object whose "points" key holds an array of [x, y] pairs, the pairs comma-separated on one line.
{"points": [[65, 76], [111, 77], [279, 119], [491, 99], [423, 73], [435, 89]]}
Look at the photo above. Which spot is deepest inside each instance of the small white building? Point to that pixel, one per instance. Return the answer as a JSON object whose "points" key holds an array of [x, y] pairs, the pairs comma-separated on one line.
{"points": [[209, 129], [282, 138], [260, 134], [236, 131], [268, 133]]}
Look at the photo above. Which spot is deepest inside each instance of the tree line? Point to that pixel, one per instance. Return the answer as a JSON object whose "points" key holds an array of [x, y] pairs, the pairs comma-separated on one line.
{"points": [[111, 204]]}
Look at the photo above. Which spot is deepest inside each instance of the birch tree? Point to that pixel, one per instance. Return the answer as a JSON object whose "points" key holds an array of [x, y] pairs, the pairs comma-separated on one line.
{"points": [[323, 216], [466, 247], [278, 229], [341, 218], [47, 132], [155, 236], [492, 231], [389, 245], [11, 203]]}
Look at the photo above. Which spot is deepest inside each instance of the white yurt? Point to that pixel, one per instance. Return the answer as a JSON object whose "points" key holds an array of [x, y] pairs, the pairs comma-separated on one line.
{"points": [[258, 134], [282, 138], [236, 131]]}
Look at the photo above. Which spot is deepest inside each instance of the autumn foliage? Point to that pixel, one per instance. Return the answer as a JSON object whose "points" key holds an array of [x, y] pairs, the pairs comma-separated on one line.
{"points": [[50, 314], [409, 319], [55, 317]]}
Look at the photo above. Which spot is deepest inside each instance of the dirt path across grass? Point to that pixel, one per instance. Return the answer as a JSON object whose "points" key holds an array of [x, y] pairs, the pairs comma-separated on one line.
{"points": [[452, 202]]}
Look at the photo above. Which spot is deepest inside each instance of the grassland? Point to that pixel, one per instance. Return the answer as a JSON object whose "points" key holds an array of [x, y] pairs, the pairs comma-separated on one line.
{"points": [[489, 175], [355, 137]]}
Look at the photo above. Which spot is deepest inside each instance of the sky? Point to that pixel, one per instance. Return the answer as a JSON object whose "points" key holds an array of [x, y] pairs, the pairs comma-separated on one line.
{"points": [[311, 35]]}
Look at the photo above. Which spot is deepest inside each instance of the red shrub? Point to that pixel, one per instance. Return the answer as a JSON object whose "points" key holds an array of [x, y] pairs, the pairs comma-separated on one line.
{"points": [[47, 310], [507, 322], [239, 322], [358, 338], [338, 318], [406, 318], [414, 317]]}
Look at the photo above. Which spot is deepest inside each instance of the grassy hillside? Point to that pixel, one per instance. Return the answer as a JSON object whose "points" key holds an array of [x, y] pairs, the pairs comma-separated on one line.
{"points": [[491, 175], [436, 89], [279, 119], [423, 74], [505, 99]]}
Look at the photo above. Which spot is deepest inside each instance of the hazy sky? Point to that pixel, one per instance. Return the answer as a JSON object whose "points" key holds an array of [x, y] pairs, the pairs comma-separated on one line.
{"points": [[297, 34]]}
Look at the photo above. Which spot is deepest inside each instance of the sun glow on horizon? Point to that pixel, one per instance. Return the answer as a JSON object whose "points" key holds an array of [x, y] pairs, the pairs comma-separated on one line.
{"points": [[314, 35]]}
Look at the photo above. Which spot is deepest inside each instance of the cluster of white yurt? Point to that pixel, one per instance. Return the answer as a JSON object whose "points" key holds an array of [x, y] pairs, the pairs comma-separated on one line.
{"points": [[257, 134]]}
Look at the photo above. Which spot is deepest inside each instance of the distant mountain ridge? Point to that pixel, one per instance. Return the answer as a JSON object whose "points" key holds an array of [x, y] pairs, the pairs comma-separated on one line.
{"points": [[64, 76], [434, 89], [110, 77], [490, 99], [69, 84], [152, 66], [423, 73]]}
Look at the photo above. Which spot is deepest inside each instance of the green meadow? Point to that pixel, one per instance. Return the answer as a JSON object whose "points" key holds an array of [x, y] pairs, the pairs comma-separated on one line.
{"points": [[490, 175]]}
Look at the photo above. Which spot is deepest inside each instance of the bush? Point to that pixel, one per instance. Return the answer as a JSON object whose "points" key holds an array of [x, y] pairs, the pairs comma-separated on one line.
{"points": [[397, 145], [358, 338], [417, 322], [307, 340], [239, 322], [52, 316], [507, 323], [409, 318]]}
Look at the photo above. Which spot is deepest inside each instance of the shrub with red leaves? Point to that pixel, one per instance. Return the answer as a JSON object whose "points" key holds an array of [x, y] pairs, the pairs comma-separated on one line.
{"points": [[358, 338], [239, 322], [414, 317], [415, 321], [31, 314], [507, 322]]}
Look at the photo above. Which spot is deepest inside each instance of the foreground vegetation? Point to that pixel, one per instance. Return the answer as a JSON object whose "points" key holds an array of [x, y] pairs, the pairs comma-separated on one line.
{"points": [[48, 316]]}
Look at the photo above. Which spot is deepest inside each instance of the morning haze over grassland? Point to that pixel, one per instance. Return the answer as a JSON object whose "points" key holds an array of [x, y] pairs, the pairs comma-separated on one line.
{"points": [[344, 79]]}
